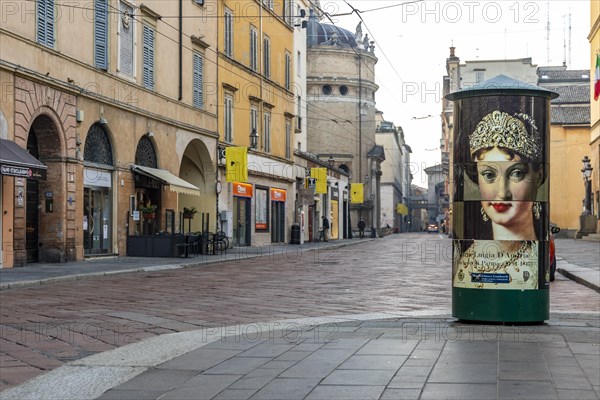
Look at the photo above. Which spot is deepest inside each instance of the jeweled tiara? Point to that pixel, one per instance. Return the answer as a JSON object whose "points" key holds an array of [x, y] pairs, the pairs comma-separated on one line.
{"points": [[499, 129]]}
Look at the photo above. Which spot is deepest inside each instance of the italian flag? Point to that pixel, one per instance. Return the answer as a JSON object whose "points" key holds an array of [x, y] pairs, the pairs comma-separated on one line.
{"points": [[597, 83]]}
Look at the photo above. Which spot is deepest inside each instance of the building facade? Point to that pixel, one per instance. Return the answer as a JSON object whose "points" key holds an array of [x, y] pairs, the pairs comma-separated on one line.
{"points": [[594, 148], [257, 96], [569, 142], [99, 112], [341, 109], [393, 180], [436, 197]]}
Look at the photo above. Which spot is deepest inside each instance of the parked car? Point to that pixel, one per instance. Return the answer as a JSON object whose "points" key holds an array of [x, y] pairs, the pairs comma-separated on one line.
{"points": [[432, 228], [553, 231]]}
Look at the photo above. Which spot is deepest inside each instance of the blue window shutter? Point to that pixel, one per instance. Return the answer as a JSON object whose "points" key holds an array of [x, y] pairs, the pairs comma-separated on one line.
{"points": [[45, 22], [50, 23], [41, 22], [101, 34], [148, 58], [198, 80]]}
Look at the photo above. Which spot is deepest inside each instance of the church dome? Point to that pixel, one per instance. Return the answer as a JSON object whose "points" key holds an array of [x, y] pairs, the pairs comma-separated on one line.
{"points": [[326, 34]]}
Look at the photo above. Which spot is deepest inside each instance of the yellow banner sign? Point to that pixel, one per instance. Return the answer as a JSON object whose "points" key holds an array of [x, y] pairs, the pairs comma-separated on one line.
{"points": [[401, 209], [236, 164], [356, 193], [320, 174]]}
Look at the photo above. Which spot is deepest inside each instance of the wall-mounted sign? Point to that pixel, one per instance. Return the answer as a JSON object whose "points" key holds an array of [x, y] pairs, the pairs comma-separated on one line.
{"points": [[23, 172], [20, 197], [278, 194], [335, 193], [242, 189], [95, 177]]}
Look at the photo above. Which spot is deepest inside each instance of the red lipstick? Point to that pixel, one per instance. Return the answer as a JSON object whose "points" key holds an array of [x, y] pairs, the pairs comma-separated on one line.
{"points": [[501, 207]]}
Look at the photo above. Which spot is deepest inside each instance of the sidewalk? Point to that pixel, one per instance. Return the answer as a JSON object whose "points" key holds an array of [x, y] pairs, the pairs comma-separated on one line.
{"points": [[41, 273], [380, 356], [409, 355]]}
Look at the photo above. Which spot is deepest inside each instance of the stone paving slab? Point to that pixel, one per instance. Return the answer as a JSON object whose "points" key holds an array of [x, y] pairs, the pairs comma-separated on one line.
{"points": [[91, 316], [332, 369]]}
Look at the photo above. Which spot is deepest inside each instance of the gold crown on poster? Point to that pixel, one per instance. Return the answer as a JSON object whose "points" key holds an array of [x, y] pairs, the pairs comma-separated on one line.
{"points": [[499, 129]]}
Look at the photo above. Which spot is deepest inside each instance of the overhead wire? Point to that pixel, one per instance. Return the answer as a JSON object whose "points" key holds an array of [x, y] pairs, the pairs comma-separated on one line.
{"points": [[304, 103]]}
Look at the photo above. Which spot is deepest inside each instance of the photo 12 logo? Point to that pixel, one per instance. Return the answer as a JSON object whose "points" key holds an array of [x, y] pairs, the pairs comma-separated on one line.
{"points": [[470, 12]]}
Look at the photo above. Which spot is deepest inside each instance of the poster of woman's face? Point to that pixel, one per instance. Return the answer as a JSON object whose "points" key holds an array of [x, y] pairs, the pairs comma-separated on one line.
{"points": [[522, 220]]}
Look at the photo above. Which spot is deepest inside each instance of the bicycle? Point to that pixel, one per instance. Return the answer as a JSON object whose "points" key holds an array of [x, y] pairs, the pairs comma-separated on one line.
{"points": [[321, 235], [219, 240]]}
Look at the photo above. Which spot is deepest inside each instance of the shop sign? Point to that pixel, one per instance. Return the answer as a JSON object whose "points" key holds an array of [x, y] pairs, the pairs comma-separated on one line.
{"points": [[278, 194], [335, 195], [94, 177], [23, 172], [242, 189]]}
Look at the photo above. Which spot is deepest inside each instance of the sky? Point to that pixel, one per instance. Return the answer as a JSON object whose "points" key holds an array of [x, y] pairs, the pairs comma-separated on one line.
{"points": [[412, 43]]}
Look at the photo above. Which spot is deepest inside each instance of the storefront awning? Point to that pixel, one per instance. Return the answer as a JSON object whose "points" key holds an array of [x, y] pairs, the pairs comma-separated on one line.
{"points": [[16, 161], [175, 183]]}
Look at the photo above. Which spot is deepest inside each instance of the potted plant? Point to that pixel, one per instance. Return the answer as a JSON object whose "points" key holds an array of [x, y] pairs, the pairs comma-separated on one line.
{"points": [[148, 210], [188, 213]]}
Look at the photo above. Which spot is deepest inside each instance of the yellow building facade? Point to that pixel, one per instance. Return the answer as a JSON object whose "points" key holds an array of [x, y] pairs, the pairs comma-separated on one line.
{"points": [[257, 94], [119, 104], [594, 138], [567, 144]]}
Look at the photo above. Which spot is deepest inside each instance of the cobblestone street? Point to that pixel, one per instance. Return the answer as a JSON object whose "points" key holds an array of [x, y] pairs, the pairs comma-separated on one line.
{"points": [[47, 326]]}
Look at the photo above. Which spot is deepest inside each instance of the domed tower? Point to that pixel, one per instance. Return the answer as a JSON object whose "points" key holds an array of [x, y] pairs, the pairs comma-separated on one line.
{"points": [[340, 101]]}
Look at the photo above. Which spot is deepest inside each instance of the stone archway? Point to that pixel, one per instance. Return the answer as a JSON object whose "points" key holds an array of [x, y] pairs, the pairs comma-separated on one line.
{"points": [[41, 232], [48, 114], [197, 168]]}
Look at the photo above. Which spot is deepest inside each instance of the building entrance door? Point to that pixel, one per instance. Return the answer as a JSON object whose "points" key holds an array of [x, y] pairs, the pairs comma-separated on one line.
{"points": [[96, 221], [32, 219], [310, 223], [241, 221], [277, 222]]}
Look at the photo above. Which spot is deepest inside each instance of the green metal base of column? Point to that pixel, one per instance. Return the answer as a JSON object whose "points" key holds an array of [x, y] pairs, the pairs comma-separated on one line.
{"points": [[488, 305]]}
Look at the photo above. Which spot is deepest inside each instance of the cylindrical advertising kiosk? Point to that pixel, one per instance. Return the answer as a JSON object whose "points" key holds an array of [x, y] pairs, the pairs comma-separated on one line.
{"points": [[500, 215]]}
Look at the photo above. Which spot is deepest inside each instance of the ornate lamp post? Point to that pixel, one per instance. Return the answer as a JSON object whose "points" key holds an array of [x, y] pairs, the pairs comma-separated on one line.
{"points": [[587, 221], [587, 174], [253, 139]]}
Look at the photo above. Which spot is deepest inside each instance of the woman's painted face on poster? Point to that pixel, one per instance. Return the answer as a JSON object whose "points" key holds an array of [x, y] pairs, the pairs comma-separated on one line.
{"points": [[507, 185]]}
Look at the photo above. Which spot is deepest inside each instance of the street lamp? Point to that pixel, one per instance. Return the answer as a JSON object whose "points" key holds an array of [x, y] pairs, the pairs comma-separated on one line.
{"points": [[587, 174], [253, 139], [331, 161]]}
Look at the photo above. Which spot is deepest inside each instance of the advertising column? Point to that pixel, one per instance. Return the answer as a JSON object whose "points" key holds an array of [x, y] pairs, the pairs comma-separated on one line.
{"points": [[500, 268]]}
